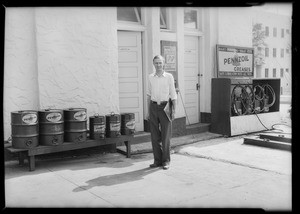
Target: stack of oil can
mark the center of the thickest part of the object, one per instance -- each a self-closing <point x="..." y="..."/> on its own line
<point x="52" y="127"/>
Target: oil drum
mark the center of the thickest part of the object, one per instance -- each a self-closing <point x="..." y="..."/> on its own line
<point x="75" y="125"/>
<point x="97" y="127"/>
<point x="127" y="123"/>
<point x="113" y="125"/>
<point x="25" y="129"/>
<point x="51" y="127"/>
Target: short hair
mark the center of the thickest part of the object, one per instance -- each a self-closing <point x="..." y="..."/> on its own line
<point x="159" y="57"/>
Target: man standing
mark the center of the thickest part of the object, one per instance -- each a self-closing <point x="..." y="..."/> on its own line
<point x="161" y="88"/>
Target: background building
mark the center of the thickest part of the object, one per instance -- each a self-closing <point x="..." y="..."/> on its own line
<point x="276" y="50"/>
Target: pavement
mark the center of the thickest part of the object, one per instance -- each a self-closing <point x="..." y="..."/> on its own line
<point x="206" y="171"/>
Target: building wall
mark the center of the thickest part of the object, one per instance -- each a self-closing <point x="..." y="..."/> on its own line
<point x="61" y="58"/>
<point x="21" y="90"/>
<point x="235" y="26"/>
<point x="68" y="57"/>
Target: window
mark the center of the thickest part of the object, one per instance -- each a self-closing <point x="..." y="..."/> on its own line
<point x="282" y="33"/>
<point x="190" y="18"/>
<point x="163" y="18"/>
<point x="129" y="14"/>
<point x="287" y="31"/>
<point x="282" y="53"/>
<point x="267" y="72"/>
<point x="266" y="52"/>
<point x="287" y="50"/>
<point x="274" y="52"/>
<point x="274" y="72"/>
<point x="267" y="31"/>
<point x="287" y="70"/>
<point x="281" y="72"/>
<point x="274" y="32"/>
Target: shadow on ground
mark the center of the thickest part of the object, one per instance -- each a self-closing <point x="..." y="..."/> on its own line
<point x="110" y="180"/>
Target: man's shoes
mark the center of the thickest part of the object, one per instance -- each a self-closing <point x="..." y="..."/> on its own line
<point x="166" y="166"/>
<point x="154" y="165"/>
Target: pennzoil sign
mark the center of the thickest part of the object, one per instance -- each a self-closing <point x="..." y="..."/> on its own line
<point x="233" y="61"/>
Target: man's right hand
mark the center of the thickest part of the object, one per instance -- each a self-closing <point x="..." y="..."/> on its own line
<point x="147" y="117"/>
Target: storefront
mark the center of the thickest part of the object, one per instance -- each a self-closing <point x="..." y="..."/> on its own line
<point x="99" y="58"/>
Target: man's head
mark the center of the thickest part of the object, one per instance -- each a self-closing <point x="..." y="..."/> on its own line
<point x="159" y="63"/>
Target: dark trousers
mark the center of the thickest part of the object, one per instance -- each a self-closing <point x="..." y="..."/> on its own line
<point x="161" y="132"/>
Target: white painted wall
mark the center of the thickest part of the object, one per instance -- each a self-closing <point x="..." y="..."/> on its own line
<point x="226" y="26"/>
<point x="20" y="91"/>
<point x="235" y="26"/>
<point x="76" y="63"/>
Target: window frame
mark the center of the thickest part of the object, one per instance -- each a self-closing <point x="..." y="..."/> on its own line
<point x="281" y="72"/>
<point x="282" y="53"/>
<point x="267" y="33"/>
<point x="267" y="51"/>
<point x="167" y="24"/>
<point x="266" y="72"/>
<point x="282" y="33"/>
<point x="274" y="72"/>
<point x="137" y="15"/>
<point x="274" y="52"/>
<point x="274" y="32"/>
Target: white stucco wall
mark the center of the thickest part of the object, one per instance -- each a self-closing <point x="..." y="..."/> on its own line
<point x="78" y="58"/>
<point x="20" y="91"/>
<point x="76" y="63"/>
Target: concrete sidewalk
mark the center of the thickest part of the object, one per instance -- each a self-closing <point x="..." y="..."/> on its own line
<point x="214" y="173"/>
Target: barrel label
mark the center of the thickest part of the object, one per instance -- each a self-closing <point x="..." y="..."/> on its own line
<point x="80" y="115"/>
<point x="130" y="124"/>
<point x="29" y="119"/>
<point x="99" y="128"/>
<point x="54" y="117"/>
<point x="115" y="126"/>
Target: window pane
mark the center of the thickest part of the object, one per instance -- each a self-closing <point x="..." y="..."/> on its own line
<point x="163" y="18"/>
<point x="274" y="72"/>
<point x="274" y="52"/>
<point x="275" y="32"/>
<point x="266" y="52"/>
<point x="128" y="14"/>
<point x="267" y="31"/>
<point x="266" y="72"/>
<point x="190" y="18"/>
<point x="281" y="72"/>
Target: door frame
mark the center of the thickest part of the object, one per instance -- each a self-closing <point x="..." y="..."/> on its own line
<point x="200" y="64"/>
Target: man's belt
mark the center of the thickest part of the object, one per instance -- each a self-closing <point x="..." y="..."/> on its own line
<point x="161" y="103"/>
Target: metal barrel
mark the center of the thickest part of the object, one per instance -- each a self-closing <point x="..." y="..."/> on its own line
<point x="97" y="127"/>
<point x="51" y="127"/>
<point x="127" y="123"/>
<point x="113" y="125"/>
<point x="24" y="129"/>
<point x="75" y="125"/>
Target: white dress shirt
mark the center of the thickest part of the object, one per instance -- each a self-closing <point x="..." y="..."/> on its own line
<point x="161" y="88"/>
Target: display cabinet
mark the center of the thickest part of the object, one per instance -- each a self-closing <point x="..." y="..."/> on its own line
<point x="241" y="106"/>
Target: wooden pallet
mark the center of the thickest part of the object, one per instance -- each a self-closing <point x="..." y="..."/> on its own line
<point x="67" y="146"/>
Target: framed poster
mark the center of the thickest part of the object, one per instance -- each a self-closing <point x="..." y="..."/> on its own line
<point x="234" y="61"/>
<point x="169" y="52"/>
